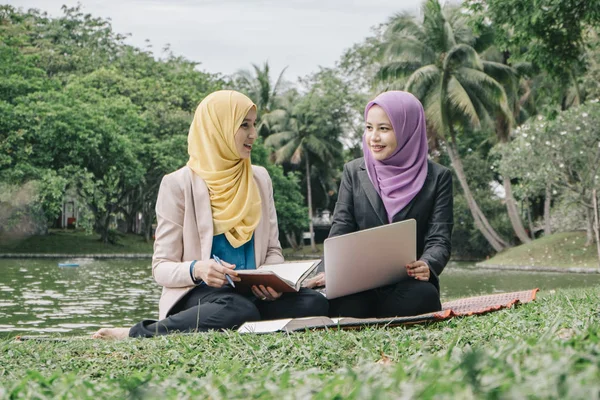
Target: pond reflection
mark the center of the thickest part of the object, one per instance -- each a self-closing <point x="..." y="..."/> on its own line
<point x="37" y="296"/>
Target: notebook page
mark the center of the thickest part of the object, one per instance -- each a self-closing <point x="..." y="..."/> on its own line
<point x="290" y="271"/>
<point x="264" y="326"/>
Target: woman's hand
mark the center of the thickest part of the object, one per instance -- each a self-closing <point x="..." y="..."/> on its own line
<point x="316" y="281"/>
<point x="265" y="293"/>
<point x="419" y="270"/>
<point x="213" y="274"/>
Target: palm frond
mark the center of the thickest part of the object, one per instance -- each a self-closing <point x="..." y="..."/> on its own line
<point x="459" y="100"/>
<point x="396" y="70"/>
<point x="408" y="48"/>
<point x="462" y="55"/>
<point x="433" y="113"/>
<point x="487" y="90"/>
<point x="506" y="76"/>
<point x="296" y="157"/>
<point x="278" y="83"/>
<point x="286" y="152"/>
<point x="317" y="147"/>
<point x="420" y="82"/>
<point x="434" y="25"/>
<point x="403" y="23"/>
<point x="277" y="140"/>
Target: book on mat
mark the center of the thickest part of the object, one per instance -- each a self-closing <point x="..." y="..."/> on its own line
<point x="300" y="324"/>
<point x="285" y="277"/>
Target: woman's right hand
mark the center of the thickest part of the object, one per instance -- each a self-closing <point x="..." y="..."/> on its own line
<point x="213" y="274"/>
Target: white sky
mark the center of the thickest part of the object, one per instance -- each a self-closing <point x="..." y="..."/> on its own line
<point x="228" y="35"/>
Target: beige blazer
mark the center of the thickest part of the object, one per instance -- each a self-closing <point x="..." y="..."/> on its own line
<point x="184" y="231"/>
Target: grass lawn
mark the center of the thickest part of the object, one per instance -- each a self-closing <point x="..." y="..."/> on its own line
<point x="546" y="349"/>
<point x="74" y="242"/>
<point x="565" y="249"/>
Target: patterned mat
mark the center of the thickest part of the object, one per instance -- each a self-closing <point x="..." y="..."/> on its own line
<point x="456" y="308"/>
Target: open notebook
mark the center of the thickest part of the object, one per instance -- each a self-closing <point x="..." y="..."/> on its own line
<point x="285" y="277"/>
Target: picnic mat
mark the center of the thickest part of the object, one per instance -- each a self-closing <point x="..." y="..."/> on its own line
<point x="456" y="308"/>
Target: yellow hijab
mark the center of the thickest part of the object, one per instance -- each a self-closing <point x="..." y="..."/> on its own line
<point x="234" y="196"/>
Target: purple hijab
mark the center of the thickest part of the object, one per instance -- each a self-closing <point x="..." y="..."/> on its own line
<point x="401" y="176"/>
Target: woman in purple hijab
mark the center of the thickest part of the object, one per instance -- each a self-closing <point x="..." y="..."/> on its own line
<point x="393" y="182"/>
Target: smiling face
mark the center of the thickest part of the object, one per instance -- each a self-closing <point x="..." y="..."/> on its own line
<point x="246" y="134"/>
<point x="379" y="134"/>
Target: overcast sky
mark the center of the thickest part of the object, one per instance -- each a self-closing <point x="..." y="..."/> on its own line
<point x="227" y="35"/>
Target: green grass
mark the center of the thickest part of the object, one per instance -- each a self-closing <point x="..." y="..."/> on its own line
<point x="74" y="242"/>
<point x="565" y="249"/>
<point x="546" y="349"/>
<point x="303" y="252"/>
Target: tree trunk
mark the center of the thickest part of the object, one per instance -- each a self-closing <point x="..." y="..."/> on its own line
<point x="480" y="220"/>
<point x="104" y="227"/>
<point x="513" y="213"/>
<point x="530" y="221"/>
<point x="547" y="203"/>
<point x="309" y="195"/>
<point x="589" y="238"/>
<point x="291" y="239"/>
<point x="596" y="223"/>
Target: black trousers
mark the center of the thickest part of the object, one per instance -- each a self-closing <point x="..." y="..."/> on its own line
<point x="405" y="298"/>
<point x="206" y="308"/>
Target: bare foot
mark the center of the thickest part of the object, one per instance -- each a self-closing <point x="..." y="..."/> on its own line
<point x="111" y="333"/>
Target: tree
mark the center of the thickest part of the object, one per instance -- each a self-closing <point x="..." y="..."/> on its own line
<point x="564" y="153"/>
<point x="291" y="215"/>
<point x="258" y="86"/>
<point x="307" y="130"/>
<point x="549" y="33"/>
<point x="438" y="63"/>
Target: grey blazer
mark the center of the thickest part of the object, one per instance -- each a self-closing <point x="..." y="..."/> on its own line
<point x="359" y="207"/>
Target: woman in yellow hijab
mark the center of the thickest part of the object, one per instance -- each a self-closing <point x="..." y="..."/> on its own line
<point x="220" y="205"/>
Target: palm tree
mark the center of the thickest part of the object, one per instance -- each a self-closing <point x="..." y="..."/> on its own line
<point x="437" y="62"/>
<point x="299" y="137"/>
<point x="257" y="84"/>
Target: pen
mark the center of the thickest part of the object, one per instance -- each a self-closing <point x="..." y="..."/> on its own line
<point x="218" y="260"/>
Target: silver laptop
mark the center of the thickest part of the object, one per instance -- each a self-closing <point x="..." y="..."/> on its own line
<point x="370" y="258"/>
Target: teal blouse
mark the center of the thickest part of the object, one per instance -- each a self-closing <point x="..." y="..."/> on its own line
<point x="242" y="257"/>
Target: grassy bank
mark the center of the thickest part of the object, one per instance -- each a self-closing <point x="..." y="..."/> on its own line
<point x="546" y="349"/>
<point x="565" y="249"/>
<point x="74" y="242"/>
<point x="78" y="242"/>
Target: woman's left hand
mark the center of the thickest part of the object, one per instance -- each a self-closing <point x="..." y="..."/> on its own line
<point x="419" y="270"/>
<point x="265" y="293"/>
<point x="316" y="281"/>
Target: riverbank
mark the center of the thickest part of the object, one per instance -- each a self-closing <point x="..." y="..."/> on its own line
<point x="546" y="349"/>
<point x="59" y="242"/>
<point x="564" y="252"/>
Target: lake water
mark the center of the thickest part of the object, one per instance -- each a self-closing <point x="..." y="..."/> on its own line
<point x="37" y="296"/>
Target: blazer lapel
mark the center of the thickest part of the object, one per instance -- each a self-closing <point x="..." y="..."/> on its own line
<point x="203" y="214"/>
<point x="372" y="195"/>
<point x="259" y="233"/>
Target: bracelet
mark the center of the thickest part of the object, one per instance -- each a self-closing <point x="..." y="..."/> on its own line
<point x="196" y="281"/>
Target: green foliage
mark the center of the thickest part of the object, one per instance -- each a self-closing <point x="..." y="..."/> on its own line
<point x="564" y="152"/>
<point x="81" y="109"/>
<point x="291" y="214"/>
<point x="550" y="33"/>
